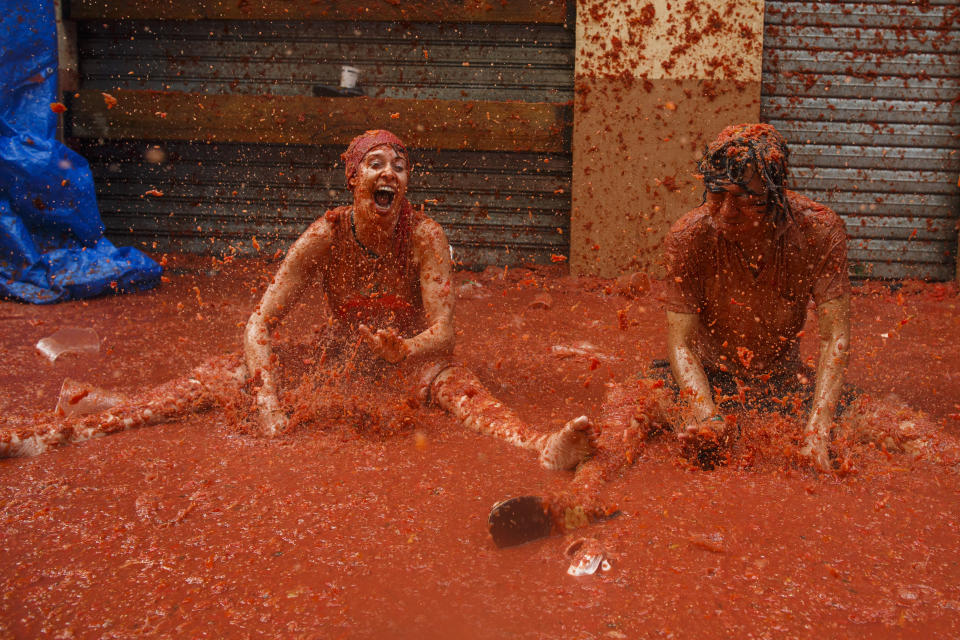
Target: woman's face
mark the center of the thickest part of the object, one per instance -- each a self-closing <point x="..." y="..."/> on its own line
<point x="380" y="183"/>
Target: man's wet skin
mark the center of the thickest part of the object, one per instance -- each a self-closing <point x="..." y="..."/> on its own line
<point x="752" y="227"/>
<point x="740" y="212"/>
<point x="742" y="269"/>
<point x="741" y="216"/>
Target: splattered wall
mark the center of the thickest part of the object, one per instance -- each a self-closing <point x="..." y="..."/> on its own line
<point x="655" y="81"/>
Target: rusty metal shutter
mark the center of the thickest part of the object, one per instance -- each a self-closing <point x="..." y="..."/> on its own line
<point x="867" y="95"/>
<point x="497" y="207"/>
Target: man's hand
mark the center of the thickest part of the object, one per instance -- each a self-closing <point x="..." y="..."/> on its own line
<point x="386" y="343"/>
<point x="694" y="429"/>
<point x="816" y="447"/>
<point x="272" y="419"/>
<point x="704" y="441"/>
<point x="711" y="430"/>
<point x="686" y="366"/>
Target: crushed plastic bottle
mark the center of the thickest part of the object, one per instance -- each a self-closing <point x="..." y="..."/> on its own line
<point x="586" y="556"/>
<point x="69" y="340"/>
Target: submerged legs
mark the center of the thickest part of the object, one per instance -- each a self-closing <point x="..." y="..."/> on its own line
<point x="631" y="413"/>
<point x="893" y="425"/>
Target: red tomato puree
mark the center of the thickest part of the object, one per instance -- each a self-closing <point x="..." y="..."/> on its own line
<point x="368" y="519"/>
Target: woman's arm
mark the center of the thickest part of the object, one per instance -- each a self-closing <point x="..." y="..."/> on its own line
<point x="432" y="252"/>
<point x="295" y="271"/>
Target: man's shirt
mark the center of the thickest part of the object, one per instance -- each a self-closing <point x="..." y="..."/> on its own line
<point x="749" y="320"/>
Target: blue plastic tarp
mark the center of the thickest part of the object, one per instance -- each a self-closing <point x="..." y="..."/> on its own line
<point x="52" y="246"/>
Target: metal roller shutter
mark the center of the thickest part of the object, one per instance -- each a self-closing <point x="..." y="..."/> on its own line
<point x="497" y="207"/>
<point x="867" y="95"/>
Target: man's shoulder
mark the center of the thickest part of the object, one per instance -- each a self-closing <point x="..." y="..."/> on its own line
<point x="812" y="215"/>
<point x="693" y="224"/>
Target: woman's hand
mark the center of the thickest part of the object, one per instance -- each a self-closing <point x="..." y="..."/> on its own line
<point x="385" y="343"/>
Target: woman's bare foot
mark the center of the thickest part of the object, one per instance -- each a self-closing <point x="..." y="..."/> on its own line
<point x="569" y="446"/>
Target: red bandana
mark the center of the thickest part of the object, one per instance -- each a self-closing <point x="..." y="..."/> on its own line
<point x="362" y="144"/>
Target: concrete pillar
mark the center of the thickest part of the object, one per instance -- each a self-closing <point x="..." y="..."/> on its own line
<point x="655" y="82"/>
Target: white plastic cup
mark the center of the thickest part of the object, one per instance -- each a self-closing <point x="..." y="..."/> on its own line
<point x="69" y="340"/>
<point x="349" y="77"/>
<point x="77" y="399"/>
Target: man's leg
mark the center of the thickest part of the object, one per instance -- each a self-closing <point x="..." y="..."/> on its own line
<point x="458" y="391"/>
<point x="892" y="424"/>
<point x="206" y="384"/>
<point x="632" y="412"/>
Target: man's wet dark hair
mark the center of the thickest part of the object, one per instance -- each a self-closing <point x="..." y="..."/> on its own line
<point x="737" y="147"/>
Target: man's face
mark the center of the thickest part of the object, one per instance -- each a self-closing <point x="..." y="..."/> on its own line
<point x="736" y="209"/>
<point x="380" y="183"/>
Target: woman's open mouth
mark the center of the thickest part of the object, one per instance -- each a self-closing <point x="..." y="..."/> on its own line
<point x="383" y="197"/>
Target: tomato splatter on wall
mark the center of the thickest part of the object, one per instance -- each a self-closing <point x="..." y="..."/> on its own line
<point x="655" y="81"/>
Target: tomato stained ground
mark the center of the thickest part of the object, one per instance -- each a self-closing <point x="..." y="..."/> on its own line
<point x="192" y="529"/>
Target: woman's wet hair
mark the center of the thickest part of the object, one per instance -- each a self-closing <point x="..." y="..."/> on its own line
<point x="739" y="147"/>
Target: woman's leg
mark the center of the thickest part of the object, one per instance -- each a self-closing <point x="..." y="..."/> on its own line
<point x="204" y="387"/>
<point x="458" y="391"/>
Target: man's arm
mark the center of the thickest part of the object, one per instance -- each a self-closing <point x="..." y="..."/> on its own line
<point x="834" y="320"/>
<point x="300" y="263"/>
<point x="687" y="368"/>
<point x="436" y="291"/>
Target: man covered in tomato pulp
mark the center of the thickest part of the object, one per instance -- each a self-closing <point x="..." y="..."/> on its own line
<point x="742" y="270"/>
